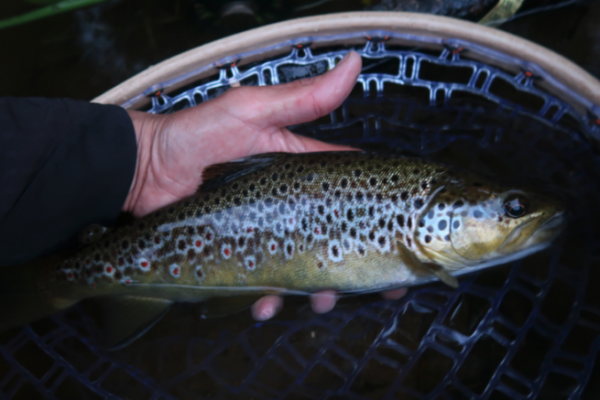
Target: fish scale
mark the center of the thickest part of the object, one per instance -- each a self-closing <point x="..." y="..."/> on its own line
<point x="300" y="211"/>
<point x="296" y="224"/>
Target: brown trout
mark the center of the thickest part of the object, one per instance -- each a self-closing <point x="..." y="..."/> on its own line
<point x="291" y="224"/>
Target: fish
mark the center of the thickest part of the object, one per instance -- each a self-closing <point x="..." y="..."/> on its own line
<point x="281" y="223"/>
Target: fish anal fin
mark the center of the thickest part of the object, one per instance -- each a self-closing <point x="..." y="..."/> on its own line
<point x="218" y="307"/>
<point x="126" y="318"/>
<point x="219" y="174"/>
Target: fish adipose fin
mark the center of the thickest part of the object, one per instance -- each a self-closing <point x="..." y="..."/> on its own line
<point x="411" y="261"/>
<point x="219" y="174"/>
<point x="127" y="318"/>
<point x="218" y="307"/>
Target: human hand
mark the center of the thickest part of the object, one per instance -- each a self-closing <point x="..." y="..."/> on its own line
<point x="174" y="149"/>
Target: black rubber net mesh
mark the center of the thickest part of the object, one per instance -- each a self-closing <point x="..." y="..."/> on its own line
<point x="529" y="329"/>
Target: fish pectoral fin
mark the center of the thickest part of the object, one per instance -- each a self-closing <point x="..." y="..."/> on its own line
<point x="411" y="261"/>
<point x="126" y="318"/>
<point x="443" y="275"/>
<point x="219" y="307"/>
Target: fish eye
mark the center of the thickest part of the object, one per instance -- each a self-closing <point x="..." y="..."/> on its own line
<point x="516" y="205"/>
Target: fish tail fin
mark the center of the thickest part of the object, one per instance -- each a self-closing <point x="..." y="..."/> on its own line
<point x="22" y="300"/>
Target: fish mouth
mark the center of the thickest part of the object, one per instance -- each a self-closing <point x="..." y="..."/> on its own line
<point x="542" y="237"/>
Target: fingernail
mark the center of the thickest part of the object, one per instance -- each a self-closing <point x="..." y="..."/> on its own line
<point x="347" y="56"/>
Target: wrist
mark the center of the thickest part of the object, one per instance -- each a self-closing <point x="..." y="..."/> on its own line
<point x="145" y="126"/>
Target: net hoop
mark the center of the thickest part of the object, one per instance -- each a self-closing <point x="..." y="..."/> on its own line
<point x="562" y="77"/>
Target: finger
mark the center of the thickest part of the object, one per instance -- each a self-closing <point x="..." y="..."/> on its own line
<point x="296" y="102"/>
<point x="394" y="294"/>
<point x="323" y="302"/>
<point x="266" y="307"/>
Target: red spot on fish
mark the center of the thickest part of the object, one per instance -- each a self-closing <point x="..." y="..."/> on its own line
<point x="249" y="230"/>
<point x="157" y="240"/>
<point x="176" y="271"/>
<point x="70" y="275"/>
<point x="337" y="213"/>
<point x="209" y="236"/>
<point x="227" y="252"/>
<point x="317" y="231"/>
<point x="121" y="262"/>
<point x="198" y="243"/>
<point x="128" y="281"/>
<point x="93" y="285"/>
<point x="144" y="264"/>
<point x="250" y="264"/>
<point x="88" y="261"/>
<point x="273" y="247"/>
<point x="109" y="269"/>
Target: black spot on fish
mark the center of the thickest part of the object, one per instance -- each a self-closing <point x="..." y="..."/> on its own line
<point x="329" y="218"/>
<point x="390" y="225"/>
<point x="300" y="169"/>
<point x="344" y="183"/>
<point x="404" y="196"/>
<point x="395" y="178"/>
<point x="371" y="211"/>
<point x="171" y="210"/>
<point x="424" y="185"/>
<point x="304" y="225"/>
<point x="353" y="233"/>
<point x="477" y="184"/>
<point x="283" y="188"/>
<point x="447" y="238"/>
<point x="418" y="203"/>
<point x="268" y="202"/>
<point x="381" y="223"/>
<point x="275" y="177"/>
<point x="309" y="177"/>
<point x="319" y="264"/>
<point x="181" y="245"/>
<point x="338" y="194"/>
<point x="287" y="166"/>
<point x="369" y="196"/>
<point x="237" y="201"/>
<point x="409" y="223"/>
<point x="434" y="181"/>
<point x="344" y="226"/>
<point x="371" y="236"/>
<point x="335" y="251"/>
<point x="323" y="163"/>
<point x="290" y="249"/>
<point x="430" y="229"/>
<point x="282" y="208"/>
<point x="394" y="198"/>
<point x="274" y="192"/>
<point x="321" y="209"/>
<point x="361" y="250"/>
<point x="328" y="202"/>
<point x="199" y="214"/>
<point x="416" y="171"/>
<point x="477" y="214"/>
<point x="400" y="220"/>
<point x="455" y="224"/>
<point x="118" y="274"/>
<point x="360" y="197"/>
<point x="441" y="206"/>
<point x="241" y="241"/>
<point x="421" y="223"/>
<point x="427" y="239"/>
<point x="379" y="197"/>
<point x="442" y="225"/>
<point x="309" y="238"/>
<point x="458" y="204"/>
<point x="252" y="187"/>
<point x="373" y="181"/>
<point x="263" y="181"/>
<point x="357" y="173"/>
<point x="325" y="186"/>
<point x="296" y="185"/>
<point x="191" y="254"/>
<point x="381" y="241"/>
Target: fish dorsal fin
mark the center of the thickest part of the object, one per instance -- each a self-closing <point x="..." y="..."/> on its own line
<point x="218" y="307"/>
<point x="219" y="174"/>
<point x="126" y="318"/>
<point x="411" y="261"/>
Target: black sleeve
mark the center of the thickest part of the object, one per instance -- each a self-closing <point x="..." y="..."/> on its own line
<point x="64" y="164"/>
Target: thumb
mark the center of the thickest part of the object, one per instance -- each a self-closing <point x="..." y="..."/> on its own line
<point x="299" y="101"/>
